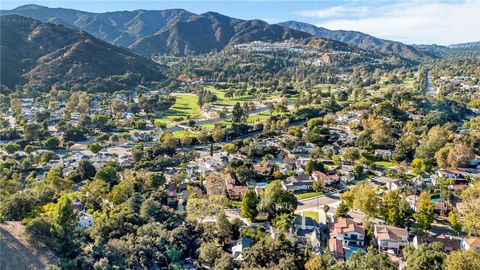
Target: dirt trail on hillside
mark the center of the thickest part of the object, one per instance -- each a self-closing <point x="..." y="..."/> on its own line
<point x="16" y="253"/>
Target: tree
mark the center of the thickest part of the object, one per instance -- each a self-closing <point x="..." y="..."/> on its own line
<point x="471" y="212"/>
<point x="224" y="227"/>
<point x="11" y="147"/>
<point x="314" y="165"/>
<point x="358" y="171"/>
<point x="200" y="208"/>
<point x="326" y="208"/>
<point x="155" y="180"/>
<point x="249" y="205"/>
<point x="426" y="256"/>
<point x="420" y="166"/>
<point x="425" y="212"/>
<point x="209" y="253"/>
<point x="95" y="147"/>
<point x="372" y="259"/>
<point x="459" y="155"/>
<point x="108" y="174"/>
<point x="316" y="262"/>
<point x="282" y="222"/>
<point x="51" y="143"/>
<point x="218" y="134"/>
<point x="362" y="197"/>
<point x="462" y="260"/>
<point x="351" y="154"/>
<point x="86" y="169"/>
<point x="454" y="221"/>
<point x="238" y="114"/>
<point x="65" y="220"/>
<point x="394" y="209"/>
<point x="342" y="210"/>
<point x="275" y="200"/>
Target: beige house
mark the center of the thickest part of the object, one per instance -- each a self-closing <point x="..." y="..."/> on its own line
<point x="390" y="237"/>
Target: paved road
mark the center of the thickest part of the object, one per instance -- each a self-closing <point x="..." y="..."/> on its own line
<point x="429" y="91"/>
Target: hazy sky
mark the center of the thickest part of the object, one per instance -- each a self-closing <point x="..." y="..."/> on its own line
<point x="409" y="21"/>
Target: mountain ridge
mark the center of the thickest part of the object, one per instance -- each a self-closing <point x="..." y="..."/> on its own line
<point x="359" y="39"/>
<point x="211" y="31"/>
<point x="46" y="54"/>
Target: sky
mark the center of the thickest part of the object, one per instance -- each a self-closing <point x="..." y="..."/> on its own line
<point x="441" y="22"/>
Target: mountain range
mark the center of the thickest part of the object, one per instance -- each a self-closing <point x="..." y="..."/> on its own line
<point x="211" y="31"/>
<point x="179" y="32"/>
<point x="46" y="46"/>
<point x="465" y="45"/>
<point x="45" y="54"/>
<point x="359" y="39"/>
<point x="121" y="28"/>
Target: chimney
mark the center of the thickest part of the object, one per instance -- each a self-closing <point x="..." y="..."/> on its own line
<point x="303" y="221"/>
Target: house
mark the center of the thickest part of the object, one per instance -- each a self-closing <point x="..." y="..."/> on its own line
<point x="326" y="179"/>
<point x="390" y="237"/>
<point x="264" y="169"/>
<point x="397" y="184"/>
<point x="344" y="233"/>
<point x="171" y="190"/>
<point x="346" y="175"/>
<point x="383" y="154"/>
<point x="284" y="168"/>
<point x="307" y="231"/>
<point x="347" y="230"/>
<point x="449" y="244"/>
<point x="298" y="182"/>
<point x="447" y="174"/>
<point x="234" y="189"/>
<point x="381" y="181"/>
<point x="242" y="244"/>
<point x="301" y="163"/>
<point x="85" y="220"/>
<point x="470" y="243"/>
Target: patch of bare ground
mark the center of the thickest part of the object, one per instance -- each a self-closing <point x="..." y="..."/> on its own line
<point x="17" y="252"/>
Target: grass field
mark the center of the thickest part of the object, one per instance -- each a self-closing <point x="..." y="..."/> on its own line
<point x="308" y="194"/>
<point x="259" y="117"/>
<point x="385" y="164"/>
<point x="185" y="105"/>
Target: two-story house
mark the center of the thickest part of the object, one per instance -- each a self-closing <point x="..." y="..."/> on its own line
<point x="344" y="232"/>
<point x="390" y="237"/>
<point x="307" y="231"/>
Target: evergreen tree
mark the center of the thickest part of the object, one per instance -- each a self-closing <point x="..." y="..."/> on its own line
<point x="249" y="205"/>
<point x="425" y="212"/>
<point x="65" y="221"/>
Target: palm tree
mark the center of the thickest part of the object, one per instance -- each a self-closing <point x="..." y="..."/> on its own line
<point x="325" y="209"/>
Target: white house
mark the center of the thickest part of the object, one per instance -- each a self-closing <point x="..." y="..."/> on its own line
<point x="85" y="220"/>
<point x="383" y="154"/>
<point x="242" y="244"/>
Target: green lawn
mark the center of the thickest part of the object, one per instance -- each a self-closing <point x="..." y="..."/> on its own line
<point x="311" y="214"/>
<point x="385" y="164"/>
<point x="185" y="105"/>
<point x="258" y="117"/>
<point x="183" y="133"/>
<point x="308" y="194"/>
